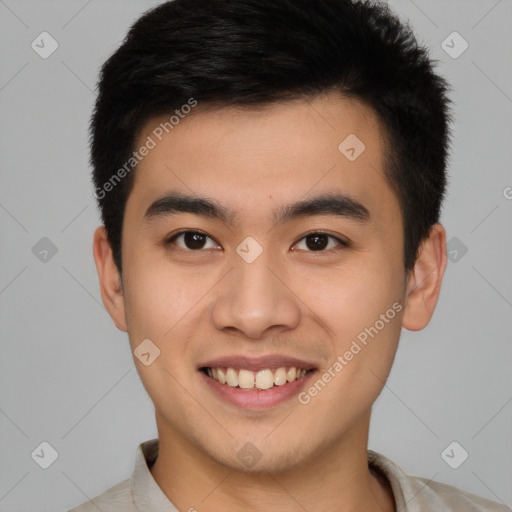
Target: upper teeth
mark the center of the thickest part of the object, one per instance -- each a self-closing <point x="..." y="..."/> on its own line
<point x="262" y="379"/>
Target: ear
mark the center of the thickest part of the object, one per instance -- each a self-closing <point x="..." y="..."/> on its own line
<point x="109" y="278"/>
<point x="424" y="281"/>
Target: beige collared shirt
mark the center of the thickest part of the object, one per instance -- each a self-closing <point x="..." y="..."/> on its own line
<point x="140" y="492"/>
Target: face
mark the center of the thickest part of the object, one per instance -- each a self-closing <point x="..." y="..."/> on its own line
<point x="291" y="279"/>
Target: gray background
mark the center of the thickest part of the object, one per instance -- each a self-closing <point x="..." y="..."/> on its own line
<point x="66" y="374"/>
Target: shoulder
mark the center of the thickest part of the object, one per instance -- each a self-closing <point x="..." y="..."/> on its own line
<point x="115" y="499"/>
<point x="446" y="497"/>
<point x="414" y="493"/>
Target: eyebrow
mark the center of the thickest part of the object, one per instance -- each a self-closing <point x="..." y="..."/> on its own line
<point x="333" y="204"/>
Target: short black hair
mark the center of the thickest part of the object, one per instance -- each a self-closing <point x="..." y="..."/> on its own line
<point x="253" y="53"/>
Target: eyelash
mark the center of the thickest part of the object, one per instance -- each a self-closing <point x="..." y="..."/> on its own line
<point x="342" y="243"/>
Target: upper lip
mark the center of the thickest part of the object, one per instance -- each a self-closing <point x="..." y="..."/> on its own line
<point x="273" y="361"/>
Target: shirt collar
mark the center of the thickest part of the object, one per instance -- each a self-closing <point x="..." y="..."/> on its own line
<point x="148" y="497"/>
<point x="146" y="494"/>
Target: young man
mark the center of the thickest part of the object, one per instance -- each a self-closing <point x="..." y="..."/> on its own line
<point x="270" y="176"/>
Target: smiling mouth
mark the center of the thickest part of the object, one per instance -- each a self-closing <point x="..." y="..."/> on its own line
<point x="262" y="379"/>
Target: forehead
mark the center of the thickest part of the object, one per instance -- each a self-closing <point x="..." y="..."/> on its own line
<point x="252" y="159"/>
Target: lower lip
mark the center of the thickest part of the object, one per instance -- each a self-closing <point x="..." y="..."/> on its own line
<point x="257" y="398"/>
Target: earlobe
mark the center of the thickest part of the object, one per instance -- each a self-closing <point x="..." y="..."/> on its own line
<point x="109" y="278"/>
<point x="424" y="283"/>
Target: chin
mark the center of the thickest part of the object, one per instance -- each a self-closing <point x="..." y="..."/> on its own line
<point x="262" y="457"/>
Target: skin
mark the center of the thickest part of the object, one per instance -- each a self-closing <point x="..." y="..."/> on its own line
<point x="200" y="305"/>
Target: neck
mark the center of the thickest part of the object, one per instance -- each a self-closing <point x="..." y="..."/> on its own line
<point x="336" y="478"/>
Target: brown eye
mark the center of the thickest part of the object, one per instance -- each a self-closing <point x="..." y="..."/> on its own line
<point x="318" y="242"/>
<point x="191" y="240"/>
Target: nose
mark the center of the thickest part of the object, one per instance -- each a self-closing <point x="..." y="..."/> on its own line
<point x="255" y="299"/>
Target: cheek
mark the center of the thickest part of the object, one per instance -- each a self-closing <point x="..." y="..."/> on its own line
<point x="162" y="303"/>
<point x="156" y="308"/>
<point x="373" y="315"/>
<point x="363" y="354"/>
<point x="363" y="310"/>
<point x="350" y="300"/>
<point x="156" y="295"/>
